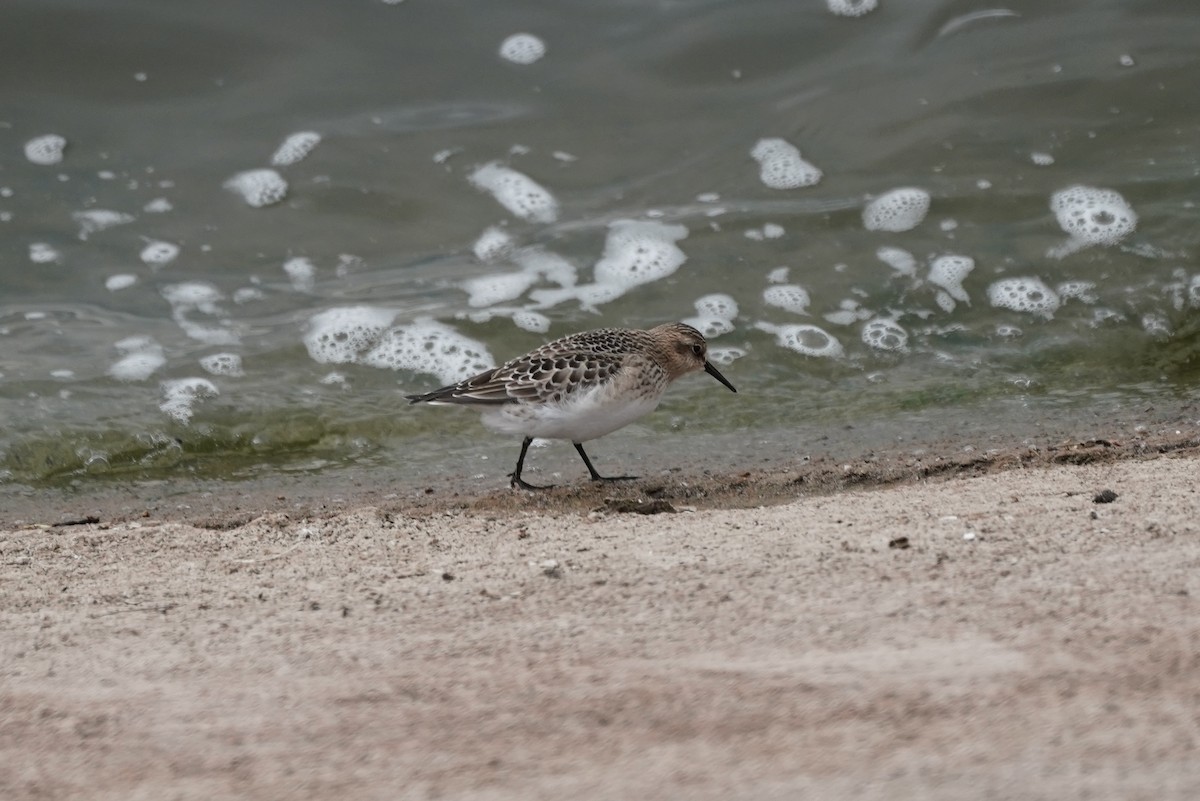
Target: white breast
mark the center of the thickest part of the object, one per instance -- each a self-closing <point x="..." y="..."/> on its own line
<point x="582" y="418"/>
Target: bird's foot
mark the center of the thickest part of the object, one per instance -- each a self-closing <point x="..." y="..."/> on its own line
<point x="599" y="477"/>
<point x="520" y="483"/>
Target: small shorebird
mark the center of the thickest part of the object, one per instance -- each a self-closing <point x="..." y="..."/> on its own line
<point x="581" y="387"/>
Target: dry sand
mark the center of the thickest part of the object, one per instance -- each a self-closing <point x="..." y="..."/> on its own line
<point x="997" y="636"/>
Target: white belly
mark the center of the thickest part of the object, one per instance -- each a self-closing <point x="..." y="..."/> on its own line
<point x="590" y="416"/>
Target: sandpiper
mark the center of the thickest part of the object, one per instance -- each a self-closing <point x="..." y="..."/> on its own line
<point x="581" y="386"/>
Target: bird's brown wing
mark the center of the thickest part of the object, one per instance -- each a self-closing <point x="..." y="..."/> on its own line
<point x="539" y="376"/>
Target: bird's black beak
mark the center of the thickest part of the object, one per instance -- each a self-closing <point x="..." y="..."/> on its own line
<point x="715" y="373"/>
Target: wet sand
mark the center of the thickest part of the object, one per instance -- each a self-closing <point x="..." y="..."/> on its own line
<point x="956" y="625"/>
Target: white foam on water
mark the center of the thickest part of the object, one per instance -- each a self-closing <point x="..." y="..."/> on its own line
<point x="949" y="271"/>
<point x="1193" y="291"/>
<point x="718" y="305"/>
<point x="488" y="290"/>
<point x="1041" y="159"/>
<point x="43" y="253"/>
<point x="1156" y="325"/>
<point x="709" y="327"/>
<point x="898" y="259"/>
<point x="528" y="320"/>
<point x="1091" y="216"/>
<point x="780" y="165"/>
<point x="95" y="220"/>
<point x="181" y="395"/>
<point x="778" y="276"/>
<point x="897" y="210"/>
<point x="882" y="333"/>
<point x="944" y="301"/>
<point x="229" y="364"/>
<point x="334" y="379"/>
<point x="517" y="192"/>
<point x="806" y="339"/>
<point x="427" y="346"/>
<point x="522" y="48"/>
<point x="983" y="183"/>
<point x="247" y="294"/>
<point x="493" y="244"/>
<point x="45" y="150"/>
<point x="140" y="357"/>
<point x="1009" y="331"/>
<point x="852" y="8"/>
<point x="62" y="373"/>
<point x="158" y="254"/>
<point x="639" y="252"/>
<point x="1082" y="291"/>
<point x="1126" y="60"/>
<point x="295" y="148"/>
<point x="546" y="264"/>
<point x="115" y="283"/>
<point x="563" y="156"/>
<point x="725" y="356"/>
<point x="1028" y="295"/>
<point x="789" y="297"/>
<point x="158" y="206"/>
<point x="344" y="334"/>
<point x="258" y="188"/>
<point x="196" y="297"/>
<point x="302" y="273"/>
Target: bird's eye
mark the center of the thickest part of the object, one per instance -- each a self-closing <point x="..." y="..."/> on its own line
<point x="698" y="349"/>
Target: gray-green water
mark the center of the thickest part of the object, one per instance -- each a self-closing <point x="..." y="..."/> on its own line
<point x="637" y="111"/>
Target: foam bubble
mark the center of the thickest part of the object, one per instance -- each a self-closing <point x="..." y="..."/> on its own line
<point x="427" y="346"/>
<point x="1156" y="325"/>
<point x="229" y="364"/>
<point x="246" y="294"/>
<point x="852" y="8"/>
<point x="115" y="283"/>
<point x="1193" y="291"/>
<point x="195" y="297"/>
<point x="638" y="252"/>
<point x="491" y="289"/>
<point x="528" y="320"/>
<point x="1041" y="159"/>
<point x="949" y="272"/>
<point x="494" y="243"/>
<point x="789" y="297"/>
<point x="778" y="276"/>
<point x="159" y="254"/>
<point x="781" y="166"/>
<point x="547" y="264"/>
<point x="709" y="327"/>
<point x="518" y="193"/>
<point x="301" y="272"/>
<point x="1091" y="216"/>
<point x="897" y="210"/>
<point x="45" y="150"/>
<point x="141" y="356"/>
<point x="1009" y="331"/>
<point x="1083" y="291"/>
<point x="95" y="220"/>
<point x="885" y="334"/>
<point x="725" y="356"/>
<point x="804" y="338"/>
<point x="180" y="396"/>
<point x="898" y="259"/>
<point x="158" y="206"/>
<point x="342" y="335"/>
<point x="522" y="48"/>
<point x="718" y="305"/>
<point x="1028" y="295"/>
<point x="42" y="253"/>
<point x="295" y="148"/>
<point x="258" y="187"/>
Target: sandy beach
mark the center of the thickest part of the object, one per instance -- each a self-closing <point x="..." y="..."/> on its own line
<point x="1004" y="628"/>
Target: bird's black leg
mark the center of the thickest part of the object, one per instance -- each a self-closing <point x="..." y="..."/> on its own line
<point x="596" y="476"/>
<point x="517" y="481"/>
